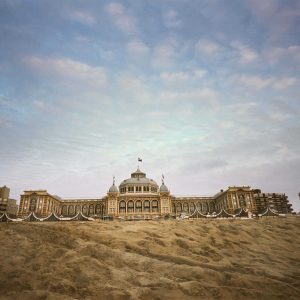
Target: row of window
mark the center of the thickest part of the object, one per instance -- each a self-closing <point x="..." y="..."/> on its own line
<point x="191" y="207"/>
<point x="138" y="206"/>
<point x="85" y="209"/>
<point x="138" y="189"/>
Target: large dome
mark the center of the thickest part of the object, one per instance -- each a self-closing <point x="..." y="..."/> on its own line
<point x="138" y="183"/>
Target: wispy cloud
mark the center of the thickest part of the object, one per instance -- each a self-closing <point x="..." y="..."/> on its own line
<point x="245" y="53"/>
<point x="201" y="96"/>
<point x="82" y="17"/>
<point x="279" y="54"/>
<point x="174" y="77"/>
<point x="171" y="19"/>
<point x="257" y="82"/>
<point x="206" y="47"/>
<point x="122" y="18"/>
<point x="279" y="18"/>
<point x="165" y="53"/>
<point x="68" y="69"/>
<point x="137" y="48"/>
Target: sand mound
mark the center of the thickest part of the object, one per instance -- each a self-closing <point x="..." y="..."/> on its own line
<point x="199" y="259"/>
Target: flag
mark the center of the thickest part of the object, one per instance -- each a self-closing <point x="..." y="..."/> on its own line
<point x="139" y="159"/>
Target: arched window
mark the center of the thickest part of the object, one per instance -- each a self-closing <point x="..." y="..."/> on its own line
<point x="71" y="210"/>
<point x="138" y="206"/>
<point x="185" y="207"/>
<point x="146" y="206"/>
<point x="248" y="200"/>
<point x="178" y="207"/>
<point x="174" y="208"/>
<point x="98" y="209"/>
<point x="122" y="206"/>
<point x="85" y="209"/>
<point x="205" y="208"/>
<point x="91" y="210"/>
<point x="32" y="205"/>
<point x="192" y="207"/>
<point x="64" y="210"/>
<point x="199" y="206"/>
<point x="130" y="206"/>
<point x="77" y="209"/>
<point x="212" y="207"/>
<point x="154" y="206"/>
<point x="242" y="201"/>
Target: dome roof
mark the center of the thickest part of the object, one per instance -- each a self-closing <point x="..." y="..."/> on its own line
<point x="138" y="177"/>
<point x="138" y="174"/>
<point x="113" y="189"/>
<point x="163" y="188"/>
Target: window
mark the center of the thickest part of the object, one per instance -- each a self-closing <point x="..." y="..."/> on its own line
<point x="138" y="188"/>
<point x="242" y="201"/>
<point x="32" y="205"/>
<point x="138" y="206"/>
<point x="91" y="210"/>
<point x="146" y="206"/>
<point x="146" y="188"/>
<point x="122" y="207"/>
<point x="85" y="209"/>
<point x="77" y="209"/>
<point x="71" y="210"/>
<point x="205" y="208"/>
<point x="98" y="209"/>
<point x="178" y="207"/>
<point x="199" y="206"/>
<point x="130" y="206"/>
<point x="130" y="189"/>
<point x="185" y="207"/>
<point x="154" y="206"/>
<point x="192" y="207"/>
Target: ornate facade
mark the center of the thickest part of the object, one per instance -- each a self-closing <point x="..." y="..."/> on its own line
<point x="141" y="197"/>
<point x="7" y="205"/>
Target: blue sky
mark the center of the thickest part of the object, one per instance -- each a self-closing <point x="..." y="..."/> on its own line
<point x="206" y="92"/>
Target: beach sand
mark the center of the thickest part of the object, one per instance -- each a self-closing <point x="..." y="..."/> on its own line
<point x="190" y="259"/>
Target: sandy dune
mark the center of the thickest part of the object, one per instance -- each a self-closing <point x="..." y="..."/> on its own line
<point x="200" y="259"/>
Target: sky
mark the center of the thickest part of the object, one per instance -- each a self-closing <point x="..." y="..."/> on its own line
<point x="205" y="92"/>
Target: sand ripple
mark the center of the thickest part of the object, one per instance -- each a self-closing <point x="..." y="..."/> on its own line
<point x="199" y="259"/>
